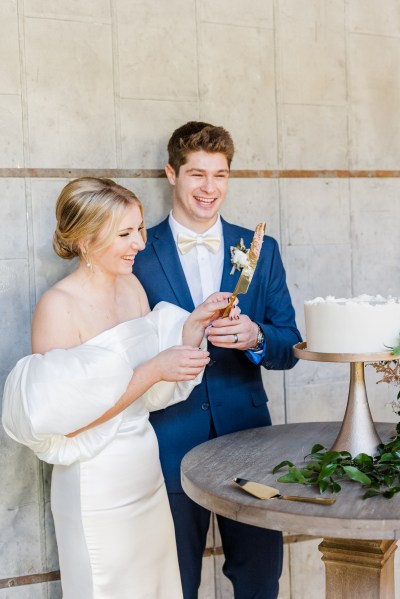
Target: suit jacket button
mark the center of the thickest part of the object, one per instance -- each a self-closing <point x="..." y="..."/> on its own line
<point x="211" y="362"/>
<point x="205" y="405"/>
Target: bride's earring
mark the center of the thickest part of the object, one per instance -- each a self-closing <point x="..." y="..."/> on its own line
<point x="85" y="257"/>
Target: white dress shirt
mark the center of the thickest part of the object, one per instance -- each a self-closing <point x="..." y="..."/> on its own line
<point x="202" y="268"/>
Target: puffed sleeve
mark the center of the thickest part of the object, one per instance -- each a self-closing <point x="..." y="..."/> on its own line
<point x="168" y="321"/>
<point x="48" y="396"/>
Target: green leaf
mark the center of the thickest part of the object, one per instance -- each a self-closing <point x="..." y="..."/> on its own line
<point x="289" y="477"/>
<point x="332" y="456"/>
<point x="363" y="460"/>
<point x="281" y="465"/>
<point x="327" y="470"/>
<point x="323" y="485"/>
<point x="370" y="493"/>
<point x="389" y="479"/>
<point x="317" y="448"/>
<point x="307" y="473"/>
<point x="394" y="446"/>
<point x="375" y="485"/>
<point x="356" y="474"/>
<point x="298" y="474"/>
<point x="388" y="494"/>
<point x="317" y="457"/>
<point x="346" y="454"/>
<point x="315" y="466"/>
<point x="396" y="350"/>
<point x="389" y="457"/>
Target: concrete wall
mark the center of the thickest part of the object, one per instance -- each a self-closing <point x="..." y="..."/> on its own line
<point x="311" y="85"/>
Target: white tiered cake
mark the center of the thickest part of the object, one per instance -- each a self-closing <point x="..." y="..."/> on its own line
<point x="363" y="324"/>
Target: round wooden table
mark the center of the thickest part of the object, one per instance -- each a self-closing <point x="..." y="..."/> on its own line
<point x="359" y="535"/>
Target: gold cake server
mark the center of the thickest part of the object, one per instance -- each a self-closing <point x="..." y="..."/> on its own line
<point x="264" y="492"/>
<point x="248" y="271"/>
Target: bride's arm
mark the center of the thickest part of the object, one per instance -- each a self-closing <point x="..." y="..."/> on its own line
<point x="179" y="363"/>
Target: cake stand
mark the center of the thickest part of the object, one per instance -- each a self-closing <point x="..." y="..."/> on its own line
<point x="357" y="433"/>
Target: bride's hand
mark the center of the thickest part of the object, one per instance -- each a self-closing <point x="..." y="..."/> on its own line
<point x="180" y="363"/>
<point x="221" y="296"/>
<point x="205" y="314"/>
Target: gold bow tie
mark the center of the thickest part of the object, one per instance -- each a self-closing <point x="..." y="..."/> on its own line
<point x="186" y="242"/>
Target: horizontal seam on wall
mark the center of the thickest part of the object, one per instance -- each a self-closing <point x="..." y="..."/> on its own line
<point x="67" y="173"/>
<point x="16" y="581"/>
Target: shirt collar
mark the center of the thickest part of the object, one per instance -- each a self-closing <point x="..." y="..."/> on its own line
<point x="177" y="228"/>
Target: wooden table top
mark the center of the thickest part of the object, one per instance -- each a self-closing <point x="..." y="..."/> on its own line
<point x="207" y="472"/>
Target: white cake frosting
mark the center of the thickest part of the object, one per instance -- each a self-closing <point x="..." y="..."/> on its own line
<point x="363" y="324"/>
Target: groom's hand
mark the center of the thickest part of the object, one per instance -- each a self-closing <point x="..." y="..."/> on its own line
<point x="237" y="333"/>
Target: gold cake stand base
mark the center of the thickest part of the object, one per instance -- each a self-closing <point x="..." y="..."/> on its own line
<point x="357" y="433"/>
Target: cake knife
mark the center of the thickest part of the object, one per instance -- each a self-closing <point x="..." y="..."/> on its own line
<point x="264" y="492"/>
<point x="248" y="271"/>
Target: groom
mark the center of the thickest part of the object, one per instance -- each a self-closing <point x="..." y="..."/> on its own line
<point x="188" y="257"/>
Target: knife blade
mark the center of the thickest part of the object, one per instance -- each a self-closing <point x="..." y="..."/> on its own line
<point x="265" y="492"/>
<point x="248" y="271"/>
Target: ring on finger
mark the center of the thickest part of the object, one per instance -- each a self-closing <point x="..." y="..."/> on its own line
<point x="235" y="338"/>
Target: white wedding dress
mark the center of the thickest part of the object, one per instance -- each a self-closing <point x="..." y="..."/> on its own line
<point x="113" y="524"/>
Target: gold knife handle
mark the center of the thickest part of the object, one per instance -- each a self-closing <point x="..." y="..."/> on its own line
<point x="308" y="499"/>
<point x="226" y="311"/>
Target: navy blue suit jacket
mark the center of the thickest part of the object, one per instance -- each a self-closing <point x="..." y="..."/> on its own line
<point x="232" y="392"/>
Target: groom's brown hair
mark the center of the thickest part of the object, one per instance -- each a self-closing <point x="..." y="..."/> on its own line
<point x="195" y="136"/>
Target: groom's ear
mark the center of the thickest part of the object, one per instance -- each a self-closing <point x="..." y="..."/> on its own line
<point x="170" y="172"/>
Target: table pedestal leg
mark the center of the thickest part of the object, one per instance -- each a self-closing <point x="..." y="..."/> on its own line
<point x="357" y="433"/>
<point x="358" y="569"/>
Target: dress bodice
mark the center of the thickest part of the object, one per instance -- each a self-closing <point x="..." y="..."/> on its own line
<point x="48" y="396"/>
<point x="134" y="341"/>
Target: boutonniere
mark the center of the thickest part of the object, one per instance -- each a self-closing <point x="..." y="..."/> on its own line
<point x="239" y="257"/>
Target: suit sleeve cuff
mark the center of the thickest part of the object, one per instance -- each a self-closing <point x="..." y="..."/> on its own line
<point x="256" y="357"/>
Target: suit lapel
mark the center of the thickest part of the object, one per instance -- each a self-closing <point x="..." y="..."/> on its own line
<point x="167" y="253"/>
<point x="228" y="281"/>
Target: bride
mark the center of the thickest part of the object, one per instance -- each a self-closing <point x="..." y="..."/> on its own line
<point x="101" y="360"/>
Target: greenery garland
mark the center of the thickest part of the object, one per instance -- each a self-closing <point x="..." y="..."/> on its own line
<point x="378" y="475"/>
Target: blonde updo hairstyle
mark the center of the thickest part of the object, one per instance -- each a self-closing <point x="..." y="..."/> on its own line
<point x="84" y="207"/>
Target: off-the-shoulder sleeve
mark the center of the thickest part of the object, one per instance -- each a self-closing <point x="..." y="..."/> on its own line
<point x="168" y="321"/>
<point x="48" y="396"/>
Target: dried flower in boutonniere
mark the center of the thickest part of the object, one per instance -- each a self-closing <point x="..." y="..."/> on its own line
<point x="239" y="256"/>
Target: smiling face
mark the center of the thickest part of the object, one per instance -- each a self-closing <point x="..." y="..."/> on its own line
<point x="118" y="257"/>
<point x="199" y="189"/>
